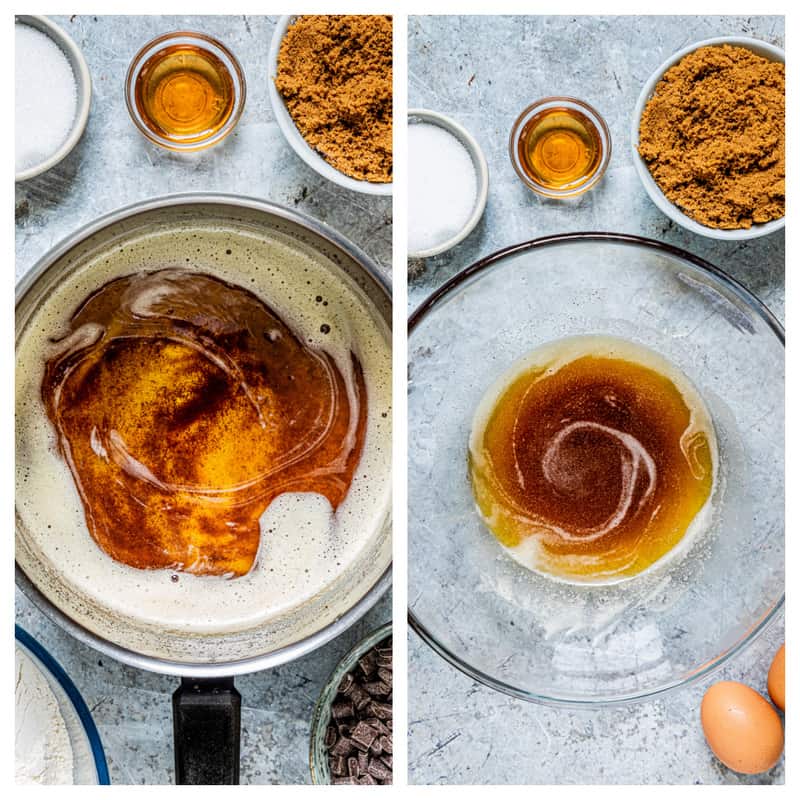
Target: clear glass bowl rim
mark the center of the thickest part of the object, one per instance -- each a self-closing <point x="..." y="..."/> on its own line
<point x="485" y="264"/>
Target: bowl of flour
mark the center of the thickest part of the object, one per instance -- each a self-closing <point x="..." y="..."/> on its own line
<point x="56" y="741"/>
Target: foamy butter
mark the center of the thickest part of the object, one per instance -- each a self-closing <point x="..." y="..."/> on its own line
<point x="304" y="545"/>
<point x="552" y="357"/>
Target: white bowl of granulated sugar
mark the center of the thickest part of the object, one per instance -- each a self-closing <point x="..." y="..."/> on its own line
<point x="448" y="183"/>
<point x="53" y="92"/>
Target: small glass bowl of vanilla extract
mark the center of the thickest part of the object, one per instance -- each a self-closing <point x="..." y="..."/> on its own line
<point x="560" y="147"/>
<point x="185" y="91"/>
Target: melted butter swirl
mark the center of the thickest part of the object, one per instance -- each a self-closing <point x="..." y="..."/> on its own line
<point x="588" y="465"/>
<point x="183" y="406"/>
<point x="559" y="469"/>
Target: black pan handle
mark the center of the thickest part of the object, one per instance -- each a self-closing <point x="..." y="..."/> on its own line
<point x="206" y="717"/>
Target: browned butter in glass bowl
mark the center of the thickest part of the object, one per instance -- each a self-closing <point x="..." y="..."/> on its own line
<point x="592" y="460"/>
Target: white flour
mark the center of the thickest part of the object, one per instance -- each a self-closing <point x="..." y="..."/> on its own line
<point x="42" y="749"/>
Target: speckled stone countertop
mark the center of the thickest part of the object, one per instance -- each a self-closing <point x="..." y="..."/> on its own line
<point x="483" y="71"/>
<point x="111" y="167"/>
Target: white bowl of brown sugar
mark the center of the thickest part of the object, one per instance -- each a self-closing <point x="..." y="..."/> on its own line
<point x="708" y="138"/>
<point x="330" y="87"/>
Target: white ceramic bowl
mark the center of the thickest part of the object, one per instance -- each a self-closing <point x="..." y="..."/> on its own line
<point x="83" y="82"/>
<point x="651" y="187"/>
<point x="416" y="115"/>
<point x="295" y="138"/>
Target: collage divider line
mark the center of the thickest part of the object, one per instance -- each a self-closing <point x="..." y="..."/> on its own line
<point x="399" y="416"/>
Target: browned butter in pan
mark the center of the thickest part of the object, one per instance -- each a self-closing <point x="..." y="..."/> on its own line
<point x="183" y="406"/>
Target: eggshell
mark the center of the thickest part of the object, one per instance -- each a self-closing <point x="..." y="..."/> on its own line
<point x="776" y="680"/>
<point x="741" y="727"/>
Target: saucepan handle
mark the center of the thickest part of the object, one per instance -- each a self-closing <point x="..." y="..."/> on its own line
<point x="206" y="715"/>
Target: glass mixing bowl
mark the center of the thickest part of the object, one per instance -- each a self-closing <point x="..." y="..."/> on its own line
<point x="526" y="634"/>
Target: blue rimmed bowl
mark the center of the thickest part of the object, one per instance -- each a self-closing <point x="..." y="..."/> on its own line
<point x="89" y="759"/>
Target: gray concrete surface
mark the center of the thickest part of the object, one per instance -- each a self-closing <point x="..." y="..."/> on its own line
<point x="111" y="167"/>
<point x="483" y="71"/>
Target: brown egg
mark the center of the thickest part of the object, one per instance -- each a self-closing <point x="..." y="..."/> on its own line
<point x="741" y="727"/>
<point x="776" y="680"/>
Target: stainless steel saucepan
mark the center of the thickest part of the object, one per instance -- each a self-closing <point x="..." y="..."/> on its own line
<point x="206" y="706"/>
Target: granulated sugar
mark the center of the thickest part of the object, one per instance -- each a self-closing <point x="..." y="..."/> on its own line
<point x="46" y="97"/>
<point x="442" y="187"/>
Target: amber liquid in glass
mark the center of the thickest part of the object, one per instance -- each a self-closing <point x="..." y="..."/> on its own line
<point x="559" y="148"/>
<point x="592" y="466"/>
<point x="184" y="93"/>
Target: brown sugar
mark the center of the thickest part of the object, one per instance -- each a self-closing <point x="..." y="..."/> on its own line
<point x="335" y="76"/>
<point x="713" y="137"/>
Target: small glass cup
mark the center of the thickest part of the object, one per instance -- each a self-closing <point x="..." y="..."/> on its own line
<point x="203" y="43"/>
<point x="567" y="104"/>
<point x="318" y="753"/>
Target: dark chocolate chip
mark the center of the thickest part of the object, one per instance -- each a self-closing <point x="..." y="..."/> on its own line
<point x="344" y="730"/>
<point x="342" y="748"/>
<point x="363" y="734"/>
<point x="379" y="726"/>
<point x="380" y="710"/>
<point x="386" y="744"/>
<point x="352" y="767"/>
<point x="360" y="697"/>
<point x="377" y="689"/>
<point x="379" y="770"/>
<point x="342" y="710"/>
<point x="345" y="781"/>
<point x="387" y="759"/>
<point x="385" y="675"/>
<point x="330" y="737"/>
<point x="347" y="684"/>
<point x="337" y="765"/>
<point x="367" y="664"/>
<point x="367" y="780"/>
<point x="375" y="748"/>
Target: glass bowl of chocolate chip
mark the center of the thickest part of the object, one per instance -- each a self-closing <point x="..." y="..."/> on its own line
<point x="351" y="732"/>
